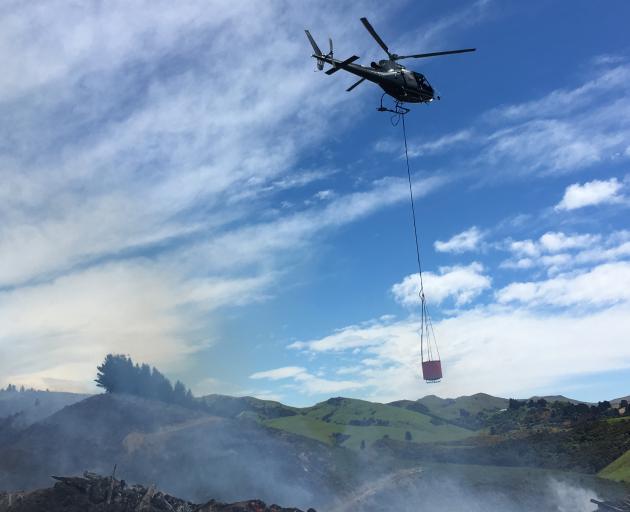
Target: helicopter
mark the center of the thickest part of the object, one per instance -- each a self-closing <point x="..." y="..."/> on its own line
<point x="402" y="84"/>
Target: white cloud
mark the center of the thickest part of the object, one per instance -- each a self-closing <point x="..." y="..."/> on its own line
<point x="121" y="138"/>
<point x="285" y="372"/>
<point x="620" y="251"/>
<point x="590" y="193"/>
<point x="605" y="284"/>
<point x="60" y="330"/>
<point x="323" y="195"/>
<point x="556" y="241"/>
<point x="548" y="146"/>
<point x="525" y="248"/>
<point x="565" y="130"/>
<point x="557" y="251"/>
<point x="567" y="100"/>
<point x="347" y="338"/>
<point x="468" y="240"/>
<point x="446" y="142"/>
<point x="307" y="383"/>
<point x="502" y="351"/>
<point x="516" y="346"/>
<point x="462" y="283"/>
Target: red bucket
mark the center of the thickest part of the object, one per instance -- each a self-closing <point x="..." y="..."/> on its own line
<point x="432" y="370"/>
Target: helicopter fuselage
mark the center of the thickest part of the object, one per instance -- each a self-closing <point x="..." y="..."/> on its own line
<point x="399" y="82"/>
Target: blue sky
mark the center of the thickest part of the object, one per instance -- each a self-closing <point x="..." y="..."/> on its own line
<point x="180" y="186"/>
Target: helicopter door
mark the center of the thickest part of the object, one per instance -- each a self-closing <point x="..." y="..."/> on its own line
<point x="410" y="80"/>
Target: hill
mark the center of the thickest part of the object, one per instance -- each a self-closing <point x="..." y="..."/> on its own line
<point x="30" y="406"/>
<point x="587" y="447"/>
<point x="450" y="408"/>
<point x="246" y="406"/>
<point x="341" y="454"/>
<point x="354" y="424"/>
<point x="189" y="453"/>
<point x="619" y="470"/>
<point x="558" y="398"/>
<point x="464" y="411"/>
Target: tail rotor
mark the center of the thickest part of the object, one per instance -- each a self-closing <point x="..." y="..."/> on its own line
<point x="317" y="53"/>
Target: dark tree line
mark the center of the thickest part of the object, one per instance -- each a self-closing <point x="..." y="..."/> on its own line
<point x="119" y="374"/>
<point x="12" y="388"/>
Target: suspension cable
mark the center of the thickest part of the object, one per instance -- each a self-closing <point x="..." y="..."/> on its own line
<point x="413" y="212"/>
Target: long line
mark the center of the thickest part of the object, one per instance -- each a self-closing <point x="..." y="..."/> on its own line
<point x="413" y="211"/>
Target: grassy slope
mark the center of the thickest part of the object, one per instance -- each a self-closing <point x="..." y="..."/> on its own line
<point x="619" y="470"/>
<point x="334" y="416"/>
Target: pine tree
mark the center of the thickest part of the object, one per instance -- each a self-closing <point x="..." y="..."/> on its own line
<point x="118" y="374"/>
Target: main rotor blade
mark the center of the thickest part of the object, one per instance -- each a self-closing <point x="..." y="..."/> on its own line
<point x="355" y="84"/>
<point x="434" y="54"/>
<point x="373" y="33"/>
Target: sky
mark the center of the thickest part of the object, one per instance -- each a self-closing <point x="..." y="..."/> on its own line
<point x="177" y="184"/>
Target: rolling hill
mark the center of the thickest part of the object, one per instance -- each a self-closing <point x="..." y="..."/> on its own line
<point x="451" y="408"/>
<point x="355" y="423"/>
<point x="235" y="448"/>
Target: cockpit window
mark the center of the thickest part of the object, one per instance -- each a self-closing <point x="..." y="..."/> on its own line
<point x="420" y="78"/>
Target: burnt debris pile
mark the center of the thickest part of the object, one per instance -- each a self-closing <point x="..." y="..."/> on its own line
<point x="613" y="506"/>
<point x="92" y="493"/>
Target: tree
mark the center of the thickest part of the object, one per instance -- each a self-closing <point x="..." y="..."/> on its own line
<point x="115" y="374"/>
<point x="118" y="374"/>
<point x="179" y="393"/>
<point x="603" y="406"/>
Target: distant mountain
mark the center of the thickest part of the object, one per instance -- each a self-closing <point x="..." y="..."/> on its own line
<point x="354" y="424"/>
<point x="30" y="406"/>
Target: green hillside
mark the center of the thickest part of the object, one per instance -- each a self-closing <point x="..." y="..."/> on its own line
<point x="348" y="422"/>
<point x="619" y="470"/>
<point x="450" y="408"/>
<point x="464" y="411"/>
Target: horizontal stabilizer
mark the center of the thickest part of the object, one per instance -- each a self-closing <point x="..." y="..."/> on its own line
<point x="355" y="84"/>
<point x="340" y="65"/>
